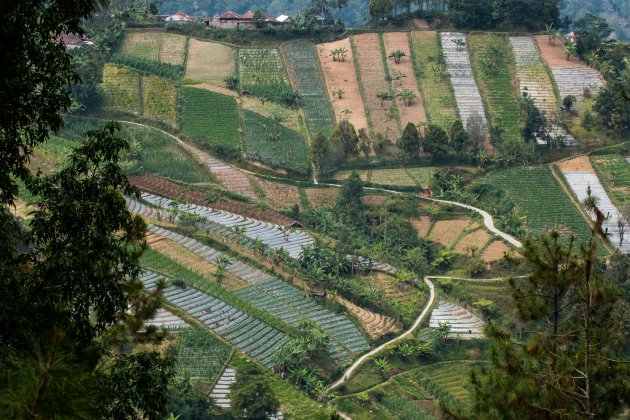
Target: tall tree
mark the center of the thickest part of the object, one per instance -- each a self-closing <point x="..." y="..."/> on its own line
<point x="322" y="154"/>
<point x="345" y="137"/>
<point x="460" y="140"/>
<point x="410" y="141"/>
<point x="380" y="9"/>
<point x="436" y="142"/>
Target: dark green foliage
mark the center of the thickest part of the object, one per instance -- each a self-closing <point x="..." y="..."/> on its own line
<point x="460" y="140"/>
<point x="274" y="144"/>
<point x="570" y="361"/>
<point x="210" y="118"/>
<point x="410" y="141"/>
<point x="533" y="14"/>
<point x="435" y="142"/>
<point x="252" y="397"/>
<point x="188" y="401"/>
<point x="535" y="124"/>
<point x="592" y="30"/>
<point x="613" y="104"/>
<point x="158" y="68"/>
<point x="324" y="155"/>
<point x="345" y="137"/>
<point x="350" y="200"/>
<point x="614" y="11"/>
<point x="380" y="9"/>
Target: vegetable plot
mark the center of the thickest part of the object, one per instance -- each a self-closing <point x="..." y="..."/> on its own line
<point x="262" y="73"/>
<point x="121" y="88"/>
<point x="158" y="46"/>
<point x="201" y="356"/>
<point x="311" y="86"/>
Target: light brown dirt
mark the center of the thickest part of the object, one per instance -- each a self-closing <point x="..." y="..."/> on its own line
<point x="420" y="23"/>
<point x="172" y="48"/>
<point x="372" y="70"/>
<point x="581" y="164"/>
<point x="421" y="225"/>
<point x="374" y="323"/>
<point x="385" y="283"/>
<point x="479" y="238"/>
<point x="447" y="231"/>
<point x="192" y="261"/>
<point x="495" y="251"/>
<point x="414" y="113"/>
<point x="554" y="54"/>
<point x="322" y="197"/>
<point x="213" y="88"/>
<point x="209" y="62"/>
<point x="342" y="74"/>
<point x="280" y="196"/>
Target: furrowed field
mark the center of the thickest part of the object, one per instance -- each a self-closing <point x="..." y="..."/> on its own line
<point x="490" y="56"/>
<point x="200" y="355"/>
<point x="614" y="173"/>
<point x="158" y="46"/>
<point x="274" y="144"/>
<point x="311" y="86"/>
<point x="541" y="200"/>
<point x="436" y="92"/>
<point x="210" y="118"/>
<point x="209" y="62"/>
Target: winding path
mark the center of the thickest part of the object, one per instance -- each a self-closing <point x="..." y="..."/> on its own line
<point x="415" y="325"/>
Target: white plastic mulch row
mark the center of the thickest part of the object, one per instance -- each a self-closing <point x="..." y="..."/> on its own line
<point x="458" y="64"/>
<point x="580" y="182"/>
<point x="166" y="319"/>
<point x="463" y="323"/>
<point x="573" y="81"/>
<point x="250" y="335"/>
<point x="534" y="81"/>
<point x="221" y="391"/>
<point x="269" y="233"/>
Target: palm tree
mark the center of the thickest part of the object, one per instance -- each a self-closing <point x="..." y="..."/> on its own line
<point x="286" y="230"/>
<point x="338" y="92"/>
<point x="259" y="246"/>
<point x="551" y="33"/>
<point x="382" y="365"/>
<point x="223" y="261"/>
<point x="238" y="231"/>
<point x="443" y="330"/>
<point x="459" y="42"/>
<point x="342" y="53"/>
<point x="397" y="56"/>
<point x="570" y="50"/>
<point x="346" y="113"/>
<point x="219" y="274"/>
<point x="407" y="95"/>
<point x="384" y="96"/>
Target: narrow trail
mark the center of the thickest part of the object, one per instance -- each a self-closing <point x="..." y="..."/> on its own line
<point x="346" y="375"/>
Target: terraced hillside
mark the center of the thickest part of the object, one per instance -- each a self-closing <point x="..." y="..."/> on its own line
<point x="463" y="323"/>
<point x="157" y="46"/>
<point x="270" y="234"/>
<point x="284" y="301"/>
<point x="209" y="62"/>
<point x="250" y="335"/>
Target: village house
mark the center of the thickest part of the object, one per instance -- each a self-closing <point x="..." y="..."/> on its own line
<point x="72" y="41"/>
<point x="232" y="20"/>
<point x="180" y="17"/>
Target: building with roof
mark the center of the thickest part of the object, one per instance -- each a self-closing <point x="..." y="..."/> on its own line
<point x="232" y="20"/>
<point x="180" y="17"/>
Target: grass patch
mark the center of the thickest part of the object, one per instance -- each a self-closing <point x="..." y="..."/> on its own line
<point x="158" y="46"/>
<point x="210" y="118"/>
<point x="614" y="173"/>
<point x="439" y="101"/>
<point x="495" y="82"/>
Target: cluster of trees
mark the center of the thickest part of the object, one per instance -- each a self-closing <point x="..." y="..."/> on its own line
<point x="502" y="14"/>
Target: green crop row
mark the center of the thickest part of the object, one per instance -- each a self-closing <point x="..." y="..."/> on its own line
<point x="165" y="70"/>
<point x="311" y="86"/>
<point x="121" y="88"/>
<point x="201" y="355"/>
<point x="211" y="119"/>
<point x="490" y="57"/>
<point x="274" y="144"/>
<point x="262" y="73"/>
<point x="540" y="201"/>
<point x="614" y="173"/>
<point x="436" y="91"/>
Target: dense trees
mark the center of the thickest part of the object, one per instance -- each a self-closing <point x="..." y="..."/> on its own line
<point x="532" y="14"/>
<point x="410" y="141"/>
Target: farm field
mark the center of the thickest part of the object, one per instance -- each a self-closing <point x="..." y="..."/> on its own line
<point x="262" y="73"/>
<point x="209" y="62"/>
<point x="478" y="238"/>
<point x="571" y="76"/>
<point x="288" y="117"/>
<point x="465" y="87"/>
<point x="200" y="355"/>
<point x="437" y="94"/>
<point x="368" y="58"/>
<point x="158" y="46"/>
<point x="311" y="86"/>
<point x="446" y="232"/>
<point x="614" y="173"/>
<point x="321" y="197"/>
<point x="121" y="88"/>
<point x="343" y="75"/>
<point x="56" y="150"/>
<point x="279" y="196"/>
<point x="491" y="56"/>
<point x="540" y="199"/>
<point x="289" y="151"/>
<point x="450" y="378"/>
<point x="210" y="118"/>
<point x="495" y="251"/>
<point x="408" y="177"/>
<point x="414" y="112"/>
<point x="158" y="98"/>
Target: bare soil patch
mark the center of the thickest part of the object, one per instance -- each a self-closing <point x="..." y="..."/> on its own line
<point x="209" y="62"/>
<point x="372" y="70"/>
<point x="421" y="225"/>
<point x="554" y="54"/>
<point x="342" y="75"/>
<point x="420" y="23"/>
<point x="172" y="48"/>
<point x="322" y="197"/>
<point x="414" y="113"/>
<point x="374" y="323"/>
<point x="579" y="164"/>
<point x="213" y="88"/>
<point x="495" y="251"/>
<point x="446" y="232"/>
<point x="479" y="238"/>
<point x="192" y="261"/>
<point x="280" y="196"/>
